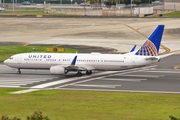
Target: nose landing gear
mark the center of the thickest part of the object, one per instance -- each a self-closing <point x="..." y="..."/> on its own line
<point x="19" y="71"/>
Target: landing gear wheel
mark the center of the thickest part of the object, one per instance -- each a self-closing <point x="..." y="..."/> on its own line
<point x="19" y="71"/>
<point x="88" y="72"/>
<point x="79" y="74"/>
<point x="65" y="72"/>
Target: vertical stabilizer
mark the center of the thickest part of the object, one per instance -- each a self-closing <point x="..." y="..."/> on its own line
<point x="151" y="46"/>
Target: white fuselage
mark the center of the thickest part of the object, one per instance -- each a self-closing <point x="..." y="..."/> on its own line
<point x="93" y="61"/>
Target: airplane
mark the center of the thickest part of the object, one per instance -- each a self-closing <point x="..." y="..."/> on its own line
<point x="63" y="63"/>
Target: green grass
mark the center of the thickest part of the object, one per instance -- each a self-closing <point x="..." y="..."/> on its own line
<point x="91" y="105"/>
<point x="5" y="91"/>
<point x="172" y="14"/>
<point x="7" y="51"/>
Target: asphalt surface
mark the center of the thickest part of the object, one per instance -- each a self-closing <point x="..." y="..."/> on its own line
<point x="157" y="78"/>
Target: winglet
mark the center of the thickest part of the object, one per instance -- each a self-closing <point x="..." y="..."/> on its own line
<point x="132" y="50"/>
<point x="74" y="60"/>
<point x="151" y="46"/>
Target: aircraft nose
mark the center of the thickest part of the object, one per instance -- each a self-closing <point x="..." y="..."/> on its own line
<point x="6" y="61"/>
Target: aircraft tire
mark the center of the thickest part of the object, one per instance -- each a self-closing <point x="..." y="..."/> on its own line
<point x="19" y="71"/>
<point x="79" y="74"/>
<point x="88" y="72"/>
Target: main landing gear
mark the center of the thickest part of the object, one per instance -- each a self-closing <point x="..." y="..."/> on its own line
<point x="88" y="72"/>
<point x="19" y="71"/>
<point x="79" y="74"/>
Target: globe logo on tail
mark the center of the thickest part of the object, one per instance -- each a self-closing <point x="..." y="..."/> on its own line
<point x="148" y="49"/>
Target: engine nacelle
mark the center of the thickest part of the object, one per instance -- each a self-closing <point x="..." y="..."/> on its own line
<point x="57" y="70"/>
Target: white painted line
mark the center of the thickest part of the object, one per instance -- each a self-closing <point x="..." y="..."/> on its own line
<point x="137" y="91"/>
<point x="57" y="82"/>
<point x="73" y="79"/>
<point x="9" y="86"/>
<point x="153" y="76"/>
<point x="13" y="84"/>
<point x="117" y="79"/>
<point x="24" y="91"/>
<point x="67" y="80"/>
<point x="18" y="81"/>
<point x="106" y="86"/>
<point x="164" y="71"/>
<point x="21" y="81"/>
<point x="128" y="71"/>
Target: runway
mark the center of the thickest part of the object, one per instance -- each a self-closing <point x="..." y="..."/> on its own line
<point x="157" y="78"/>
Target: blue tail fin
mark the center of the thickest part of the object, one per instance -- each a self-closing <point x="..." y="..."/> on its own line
<point x="151" y="46"/>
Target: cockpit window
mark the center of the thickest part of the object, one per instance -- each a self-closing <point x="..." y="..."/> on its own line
<point x="11" y="58"/>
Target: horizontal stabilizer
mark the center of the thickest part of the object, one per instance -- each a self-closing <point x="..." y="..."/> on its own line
<point x="166" y="55"/>
<point x="153" y="58"/>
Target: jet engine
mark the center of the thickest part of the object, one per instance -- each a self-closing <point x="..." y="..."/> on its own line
<point x="57" y="70"/>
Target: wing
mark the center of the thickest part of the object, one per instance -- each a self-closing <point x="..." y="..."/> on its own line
<point x="74" y="67"/>
<point x="153" y="58"/>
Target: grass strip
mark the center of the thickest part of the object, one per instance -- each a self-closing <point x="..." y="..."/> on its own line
<point x="91" y="105"/>
<point x="171" y="14"/>
<point x="7" y="51"/>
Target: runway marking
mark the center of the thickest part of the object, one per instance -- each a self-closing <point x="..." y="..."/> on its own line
<point x="117" y="79"/>
<point x="137" y="91"/>
<point x="72" y="79"/>
<point x="153" y="76"/>
<point x="38" y="87"/>
<point x="67" y="80"/>
<point x="177" y="67"/>
<point x="167" y="49"/>
<point x="24" y="91"/>
<point x="136" y="30"/>
<point x="164" y="71"/>
<point x="26" y="44"/>
<point x="127" y="71"/>
<point x="28" y="79"/>
<point x="106" y="86"/>
<point x="9" y="86"/>
<point x="14" y="82"/>
<point x="24" y="80"/>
